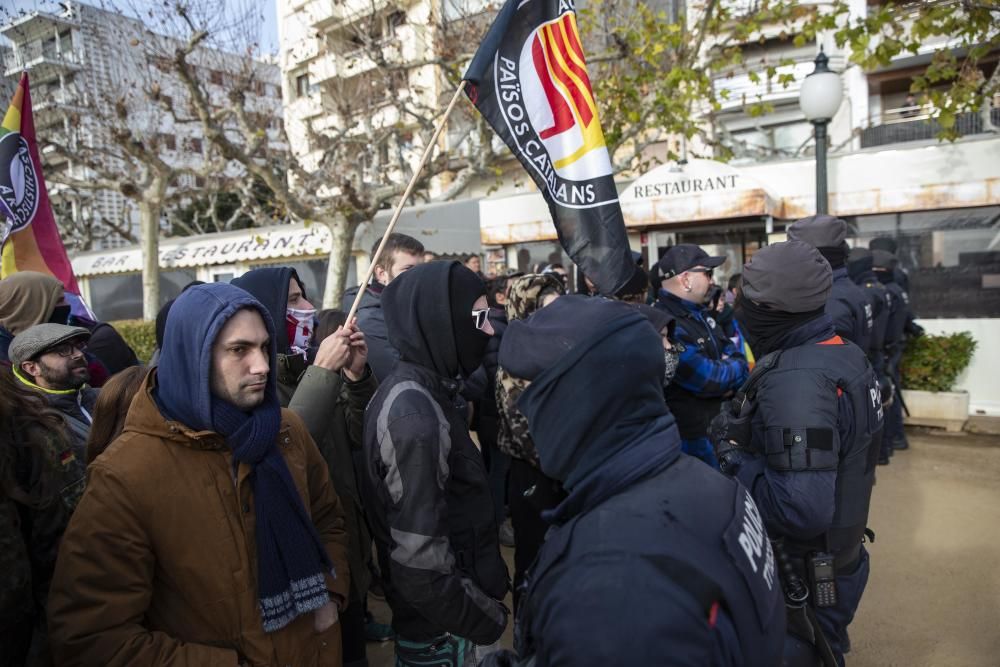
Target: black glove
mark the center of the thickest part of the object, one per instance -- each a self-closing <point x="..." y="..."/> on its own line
<point x="914" y="329"/>
<point x="728" y="429"/>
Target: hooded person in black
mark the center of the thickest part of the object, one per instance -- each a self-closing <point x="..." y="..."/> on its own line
<point x="642" y="564"/>
<point x="424" y="483"/>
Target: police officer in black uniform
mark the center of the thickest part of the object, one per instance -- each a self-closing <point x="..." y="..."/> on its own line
<point x="686" y="542"/>
<point x="886" y="268"/>
<point x="802" y="434"/>
<point x="859" y="268"/>
<point x="848" y="306"/>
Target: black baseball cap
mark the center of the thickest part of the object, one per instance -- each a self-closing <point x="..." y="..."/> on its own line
<point x="685" y="256"/>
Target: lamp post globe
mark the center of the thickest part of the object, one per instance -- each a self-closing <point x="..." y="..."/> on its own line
<point x="819" y="99"/>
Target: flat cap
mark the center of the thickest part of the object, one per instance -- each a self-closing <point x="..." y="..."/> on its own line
<point x="35" y="340"/>
<point x="791" y="277"/>
<point x="685" y="256"/>
<point x="819" y="231"/>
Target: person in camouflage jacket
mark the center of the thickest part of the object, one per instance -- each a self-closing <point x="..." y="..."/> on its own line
<point x="527" y="294"/>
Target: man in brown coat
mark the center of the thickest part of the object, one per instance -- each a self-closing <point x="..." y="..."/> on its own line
<point x="209" y="533"/>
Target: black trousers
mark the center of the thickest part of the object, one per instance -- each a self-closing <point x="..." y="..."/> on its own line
<point x="526" y="517"/>
<point x="352" y="634"/>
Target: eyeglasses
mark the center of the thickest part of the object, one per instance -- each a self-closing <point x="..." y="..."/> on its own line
<point x="701" y="269"/>
<point x="481" y="317"/>
<point x="67" y="349"/>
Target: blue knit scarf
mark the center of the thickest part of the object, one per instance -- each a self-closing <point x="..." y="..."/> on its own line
<point x="291" y="559"/>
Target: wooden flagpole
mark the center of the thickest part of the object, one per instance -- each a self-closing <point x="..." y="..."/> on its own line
<point x="402" y="202"/>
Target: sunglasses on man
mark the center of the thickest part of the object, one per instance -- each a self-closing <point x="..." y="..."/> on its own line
<point x="481" y="317"/>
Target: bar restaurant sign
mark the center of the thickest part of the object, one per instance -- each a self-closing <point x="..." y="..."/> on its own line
<point x="697" y="190"/>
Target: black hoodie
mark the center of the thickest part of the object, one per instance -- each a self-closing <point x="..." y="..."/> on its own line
<point x="423" y="482"/>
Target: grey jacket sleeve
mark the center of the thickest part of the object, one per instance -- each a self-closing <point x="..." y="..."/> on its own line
<point x="414" y="449"/>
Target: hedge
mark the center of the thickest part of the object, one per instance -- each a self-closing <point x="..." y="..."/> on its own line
<point x="933" y="363"/>
<point x="140" y="335"/>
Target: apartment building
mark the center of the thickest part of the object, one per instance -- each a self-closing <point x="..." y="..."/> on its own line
<point x="82" y="61"/>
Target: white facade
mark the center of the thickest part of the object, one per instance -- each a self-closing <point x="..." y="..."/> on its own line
<point x="84" y="59"/>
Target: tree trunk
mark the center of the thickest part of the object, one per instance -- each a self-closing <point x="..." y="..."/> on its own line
<point x="149" y="229"/>
<point x="338" y="264"/>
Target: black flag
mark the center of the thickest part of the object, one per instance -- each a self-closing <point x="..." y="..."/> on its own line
<point x="529" y="80"/>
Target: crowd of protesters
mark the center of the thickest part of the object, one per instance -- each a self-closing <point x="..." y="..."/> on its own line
<point x="684" y="473"/>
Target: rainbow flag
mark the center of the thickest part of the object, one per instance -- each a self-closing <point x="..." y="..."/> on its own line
<point x="29" y="237"/>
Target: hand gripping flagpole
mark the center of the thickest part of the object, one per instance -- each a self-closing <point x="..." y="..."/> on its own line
<point x="406" y="195"/>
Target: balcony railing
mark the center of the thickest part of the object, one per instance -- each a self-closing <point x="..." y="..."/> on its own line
<point x="914" y="123"/>
<point x="740" y="88"/>
<point x="32" y="55"/>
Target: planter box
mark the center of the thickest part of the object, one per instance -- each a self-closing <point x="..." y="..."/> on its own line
<point x="943" y="409"/>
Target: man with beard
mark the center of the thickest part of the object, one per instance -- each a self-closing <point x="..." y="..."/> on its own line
<point x="209" y="533"/>
<point x="50" y="359"/>
<point x="424" y="484"/>
<point x="401" y="253"/>
<point x="803" y="435"/>
<point x="710" y="367"/>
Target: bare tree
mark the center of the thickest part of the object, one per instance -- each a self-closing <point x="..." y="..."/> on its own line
<point x="355" y="156"/>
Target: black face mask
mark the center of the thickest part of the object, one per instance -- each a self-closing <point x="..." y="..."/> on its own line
<point x="764" y="328"/>
<point x="60" y="315"/>
<point x="464" y="289"/>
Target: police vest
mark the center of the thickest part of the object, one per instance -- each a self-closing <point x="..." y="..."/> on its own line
<point x="797" y="427"/>
<point x="711" y="543"/>
<point x="850" y="310"/>
<point x="898" y="314"/>
<point x="881" y="302"/>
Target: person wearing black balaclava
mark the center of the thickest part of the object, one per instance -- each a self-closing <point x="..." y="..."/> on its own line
<point x="848" y="307"/>
<point x="424" y="485"/>
<point x="886" y="269"/>
<point x="803" y="435"/>
<point x="648" y="560"/>
<point x="860" y="269"/>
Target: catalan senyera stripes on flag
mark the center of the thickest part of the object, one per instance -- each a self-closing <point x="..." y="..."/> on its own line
<point x="33" y="243"/>
<point x="529" y="80"/>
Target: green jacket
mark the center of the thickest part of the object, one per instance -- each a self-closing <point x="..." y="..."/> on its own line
<point x="333" y="410"/>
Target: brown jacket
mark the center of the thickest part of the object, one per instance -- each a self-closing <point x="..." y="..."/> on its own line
<point x="158" y="565"/>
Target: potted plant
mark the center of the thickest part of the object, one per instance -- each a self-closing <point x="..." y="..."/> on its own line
<point x="929" y="368"/>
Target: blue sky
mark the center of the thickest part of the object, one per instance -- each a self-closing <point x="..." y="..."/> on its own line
<point x="269" y="29"/>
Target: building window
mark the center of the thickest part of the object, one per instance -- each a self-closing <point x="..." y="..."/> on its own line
<point x="216" y="77"/>
<point x="950" y="256"/>
<point x="193" y="145"/>
<point x="168" y="141"/>
<point x="302" y="85"/>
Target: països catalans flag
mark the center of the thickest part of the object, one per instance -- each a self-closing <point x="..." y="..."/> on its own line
<point x="529" y="81"/>
<point x="28" y="231"/>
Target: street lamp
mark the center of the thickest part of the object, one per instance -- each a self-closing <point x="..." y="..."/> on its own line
<point x="819" y="99"/>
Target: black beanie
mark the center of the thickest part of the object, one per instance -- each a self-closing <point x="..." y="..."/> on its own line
<point x="464" y="288"/>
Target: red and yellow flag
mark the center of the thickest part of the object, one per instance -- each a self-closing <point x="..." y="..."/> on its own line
<point x="29" y="234"/>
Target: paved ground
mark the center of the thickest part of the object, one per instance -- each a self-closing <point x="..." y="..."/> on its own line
<point x="934" y="595"/>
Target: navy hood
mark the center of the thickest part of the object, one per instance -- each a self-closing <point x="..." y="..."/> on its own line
<point x="270" y="287"/>
<point x="184" y="390"/>
<point x="596" y="397"/>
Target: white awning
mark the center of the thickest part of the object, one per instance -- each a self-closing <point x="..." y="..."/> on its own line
<point x="700" y="190"/>
<point x="248" y="245"/>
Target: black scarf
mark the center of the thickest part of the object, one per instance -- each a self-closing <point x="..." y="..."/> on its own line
<point x="765" y="328"/>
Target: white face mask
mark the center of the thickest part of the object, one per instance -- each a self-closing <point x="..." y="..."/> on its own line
<point x="302" y="321"/>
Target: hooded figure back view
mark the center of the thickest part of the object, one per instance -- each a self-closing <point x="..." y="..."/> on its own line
<point x="424" y="484"/>
<point x="683" y="540"/>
